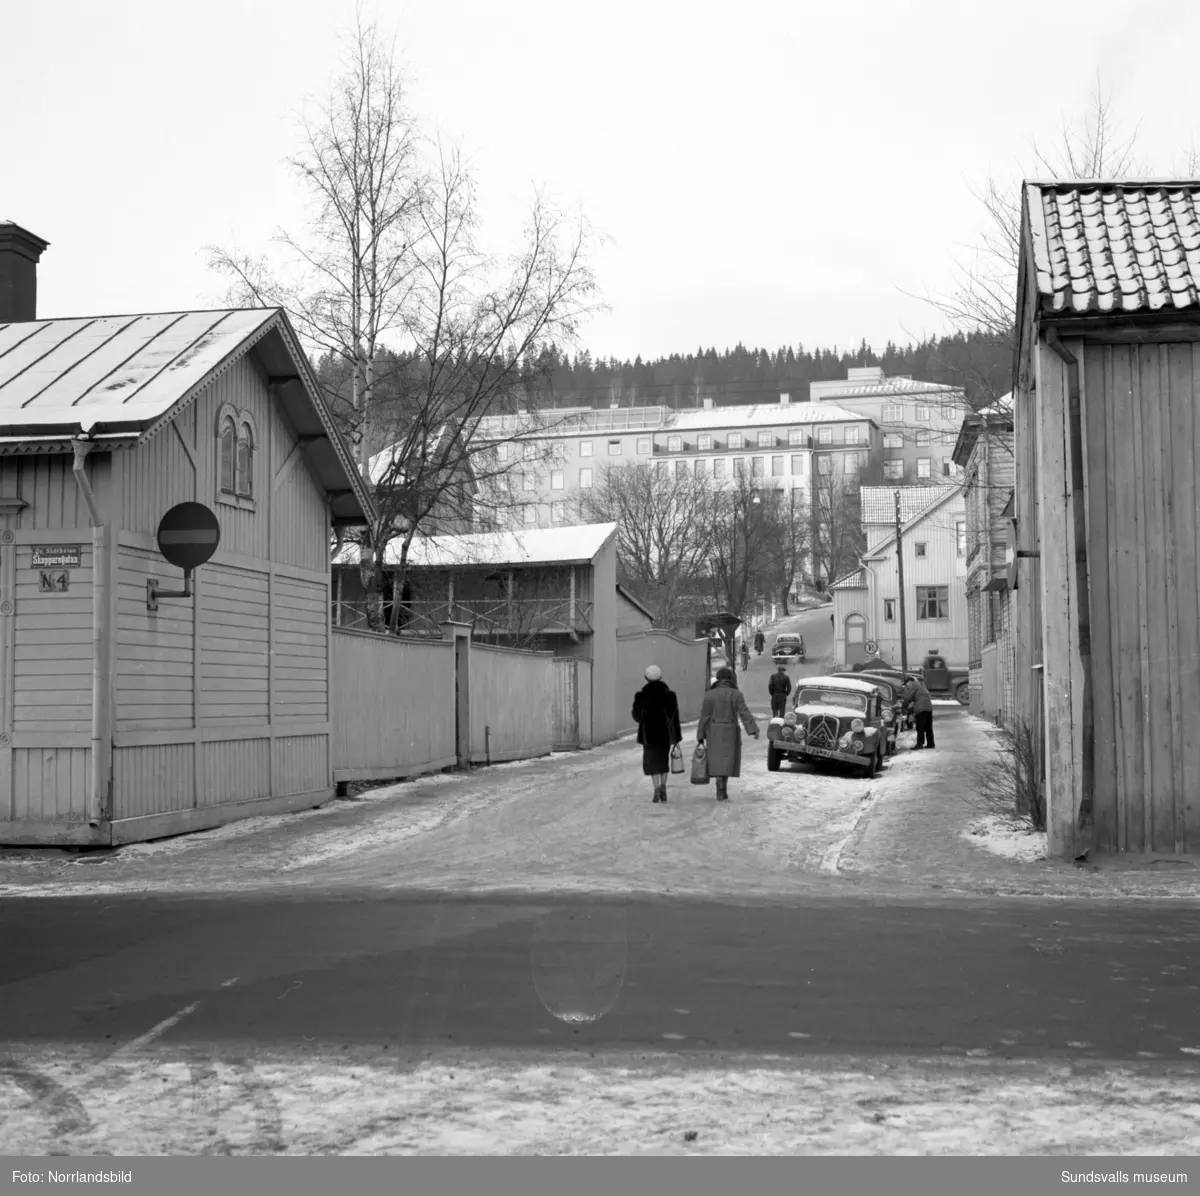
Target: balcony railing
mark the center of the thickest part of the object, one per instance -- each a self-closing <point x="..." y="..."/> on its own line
<point x="490" y="618"/>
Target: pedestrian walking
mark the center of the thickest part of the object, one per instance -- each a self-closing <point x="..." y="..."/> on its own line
<point x="745" y="656"/>
<point x="656" y="712"/>
<point x="917" y="699"/>
<point x="760" y="641"/>
<point x="718" y="730"/>
<point x="779" y="687"/>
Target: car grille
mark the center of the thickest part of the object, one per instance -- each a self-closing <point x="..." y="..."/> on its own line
<point x="822" y="731"/>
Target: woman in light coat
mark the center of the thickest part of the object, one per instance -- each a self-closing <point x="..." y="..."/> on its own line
<point x="656" y="712"/>
<point x="718" y="730"/>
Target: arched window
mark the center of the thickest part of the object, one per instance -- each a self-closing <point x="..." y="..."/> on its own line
<point x="245" y="461"/>
<point x="228" y="456"/>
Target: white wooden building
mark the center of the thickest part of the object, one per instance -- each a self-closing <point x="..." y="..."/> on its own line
<point x="119" y="723"/>
<point x="866" y="602"/>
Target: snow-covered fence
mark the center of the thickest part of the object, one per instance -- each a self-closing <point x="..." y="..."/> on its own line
<point x="511" y="703"/>
<point x="684" y="664"/>
<point x="392" y="702"/>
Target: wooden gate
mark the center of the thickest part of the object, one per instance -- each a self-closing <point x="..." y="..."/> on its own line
<point x="566" y="703"/>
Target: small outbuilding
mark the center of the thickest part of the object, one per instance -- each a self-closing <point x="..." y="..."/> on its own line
<point x="133" y="705"/>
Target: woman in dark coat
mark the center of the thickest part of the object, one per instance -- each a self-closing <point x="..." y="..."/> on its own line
<point x="656" y="711"/>
<point x="723" y="706"/>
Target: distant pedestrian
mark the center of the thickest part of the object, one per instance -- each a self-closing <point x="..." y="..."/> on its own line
<point x="779" y="687"/>
<point x="656" y="712"/>
<point x="917" y="699"/>
<point x="760" y="641"/>
<point x="723" y="706"/>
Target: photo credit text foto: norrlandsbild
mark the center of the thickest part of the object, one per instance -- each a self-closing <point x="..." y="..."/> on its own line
<point x="72" y="1177"/>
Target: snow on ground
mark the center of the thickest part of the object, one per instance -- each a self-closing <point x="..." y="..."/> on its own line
<point x="179" y="1102"/>
<point x="1005" y="836"/>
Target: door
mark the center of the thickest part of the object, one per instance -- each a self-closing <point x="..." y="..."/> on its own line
<point x="856" y="639"/>
<point x="566" y="704"/>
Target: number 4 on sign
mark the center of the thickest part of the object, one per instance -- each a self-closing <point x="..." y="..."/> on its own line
<point x="54" y="581"/>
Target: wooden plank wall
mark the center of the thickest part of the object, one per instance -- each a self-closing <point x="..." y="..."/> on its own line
<point x="684" y="664"/>
<point x="1143" y="509"/>
<point x="511" y="702"/>
<point x="394" y="713"/>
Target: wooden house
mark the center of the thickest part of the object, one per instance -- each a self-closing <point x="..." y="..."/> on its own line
<point x="984" y="454"/>
<point x="119" y="722"/>
<point x="866" y="602"/>
<point x="1104" y="552"/>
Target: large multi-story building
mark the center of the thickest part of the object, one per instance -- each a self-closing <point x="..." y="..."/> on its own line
<point x="918" y="421"/>
<point x="555" y="456"/>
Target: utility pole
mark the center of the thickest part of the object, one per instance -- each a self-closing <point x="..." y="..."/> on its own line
<point x="900" y="599"/>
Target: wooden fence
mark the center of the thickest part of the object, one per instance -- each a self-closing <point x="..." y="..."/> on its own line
<point x="572" y="703"/>
<point x="684" y="664"/>
<point x="511" y="703"/>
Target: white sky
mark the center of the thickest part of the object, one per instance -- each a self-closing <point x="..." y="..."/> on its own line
<point x="775" y="177"/>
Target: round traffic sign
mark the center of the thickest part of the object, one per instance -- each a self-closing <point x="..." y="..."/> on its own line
<point x="188" y="535"/>
<point x="872" y="647"/>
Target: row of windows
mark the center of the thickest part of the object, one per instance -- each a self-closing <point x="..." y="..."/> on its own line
<point x="530" y="449"/>
<point x="933" y="602"/>
<point x="895" y="440"/>
<point x="893" y="469"/>
<point x="894" y="413"/>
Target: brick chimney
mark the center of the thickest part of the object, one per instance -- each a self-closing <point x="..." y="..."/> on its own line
<point x="19" y="254"/>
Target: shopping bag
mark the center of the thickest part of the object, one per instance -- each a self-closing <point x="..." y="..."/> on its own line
<point x="700" y="765"/>
<point x="677" y="759"/>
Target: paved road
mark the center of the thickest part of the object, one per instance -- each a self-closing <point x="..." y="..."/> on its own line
<point x="403" y="970"/>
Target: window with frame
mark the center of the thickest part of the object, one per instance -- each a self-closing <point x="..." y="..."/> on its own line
<point x="850" y="463"/>
<point x="889" y="610"/>
<point x="236" y="442"/>
<point x="701" y="468"/>
<point x="681" y="469"/>
<point x="950" y="469"/>
<point x="501" y="482"/>
<point x="852" y="435"/>
<point x="796" y="437"/>
<point x="893" y="440"/>
<point x="921" y="411"/>
<point x="558" y="512"/>
<point x="960" y="537"/>
<point x="643" y="445"/>
<point x="739" y="467"/>
<point x="919" y="548"/>
<point x="529" y="482"/>
<point x="720" y="468"/>
<point x="662" y="469"/>
<point x="798" y="466"/>
<point x="585" y="479"/>
<point x="923" y="467"/>
<point x="674" y="444"/>
<point x="824" y="435"/>
<point x="892" y="413"/>
<point x="503" y="452"/>
<point x="529" y="450"/>
<point x="758" y="467"/>
<point x="777" y="467"/>
<point x="824" y="466"/>
<point x="924" y="436"/>
<point x="557" y="479"/>
<point x="560" y="450"/>
<point x="614" y="448"/>
<point x="585" y="448"/>
<point x="736" y="440"/>
<point x="529" y="512"/>
<point x="933" y="602"/>
<point x="704" y="442"/>
<point x="893" y="470"/>
<point x="766" y="440"/>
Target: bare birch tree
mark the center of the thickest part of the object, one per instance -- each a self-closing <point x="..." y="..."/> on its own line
<point x="837" y="535"/>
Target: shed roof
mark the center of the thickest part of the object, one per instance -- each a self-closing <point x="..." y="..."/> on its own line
<point x="1104" y="247"/>
<point x="117" y="380"/>
<point x="825" y="392"/>
<point x="999" y="415"/>
<point x="540" y="546"/>
<point x="857" y="580"/>
<point x="879" y="502"/>
<point x="633" y="601"/>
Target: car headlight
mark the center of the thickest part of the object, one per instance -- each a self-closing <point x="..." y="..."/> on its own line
<point x="788" y="731"/>
<point x="790" y="718"/>
<point x="857" y="725"/>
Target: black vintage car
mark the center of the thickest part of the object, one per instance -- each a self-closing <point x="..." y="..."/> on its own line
<point x="833" y="719"/>
<point x="893" y="705"/>
<point x="787" y="648"/>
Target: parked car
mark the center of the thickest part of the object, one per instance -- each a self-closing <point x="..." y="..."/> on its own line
<point x="939" y="678"/>
<point x="905" y="721"/>
<point x="788" y="647"/>
<point x="893" y="706"/>
<point x="832" y="718"/>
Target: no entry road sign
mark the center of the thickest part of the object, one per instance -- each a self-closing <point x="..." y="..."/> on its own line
<point x="188" y="535"/>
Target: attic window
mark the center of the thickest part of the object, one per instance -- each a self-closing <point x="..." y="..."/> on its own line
<point x="237" y="441"/>
<point x="919" y="548"/>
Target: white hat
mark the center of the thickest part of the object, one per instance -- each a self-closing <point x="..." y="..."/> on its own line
<point x="654" y="673"/>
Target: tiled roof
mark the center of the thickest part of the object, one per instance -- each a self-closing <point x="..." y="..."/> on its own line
<point x="879" y="502"/>
<point x="944" y="495"/>
<point x="761" y="415"/>
<point x="1115" y="246"/>
<point x="852" y="581"/>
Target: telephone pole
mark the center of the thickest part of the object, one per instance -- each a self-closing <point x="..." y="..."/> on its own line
<point x="900" y="599"/>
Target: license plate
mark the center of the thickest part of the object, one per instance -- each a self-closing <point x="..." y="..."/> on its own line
<point x="812" y="751"/>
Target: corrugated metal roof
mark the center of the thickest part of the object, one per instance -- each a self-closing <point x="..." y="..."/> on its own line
<point x="879" y="502"/>
<point x="542" y="546"/>
<point x="852" y="581"/>
<point x="826" y="390"/>
<point x="762" y="415"/>
<point x="1115" y="246"/>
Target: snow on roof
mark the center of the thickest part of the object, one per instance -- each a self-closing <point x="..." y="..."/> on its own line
<point x="1003" y="406"/>
<point x="92" y="373"/>
<point x="852" y="581"/>
<point x="849" y="683"/>
<point x="1109" y="246"/>
<point x="879" y="502"/>
<point x="945" y="494"/>
<point x="762" y="414"/>
<point x="539" y="546"/>
<point x="861" y="388"/>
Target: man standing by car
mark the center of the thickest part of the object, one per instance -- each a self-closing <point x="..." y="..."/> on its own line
<point x="779" y="687"/>
<point x="917" y="699"/>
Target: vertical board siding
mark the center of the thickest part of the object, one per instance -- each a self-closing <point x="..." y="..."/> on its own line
<point x="566" y="702"/>
<point x="298" y="510"/>
<point x="47" y="484"/>
<point x="235" y="770"/>
<point x="393" y="707"/>
<point x="52" y="658"/>
<point x="684" y="665"/>
<point x="300" y="631"/>
<point x="1143" y="509"/>
<point x="159" y="474"/>
<point x="512" y="702"/>
<point x="50" y="784"/>
<point x="154" y="659"/>
<point x="301" y="764"/>
<point x="153" y="780"/>
<point x="234" y="647"/>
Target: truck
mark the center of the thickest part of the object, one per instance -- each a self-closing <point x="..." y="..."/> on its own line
<point x="942" y="680"/>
